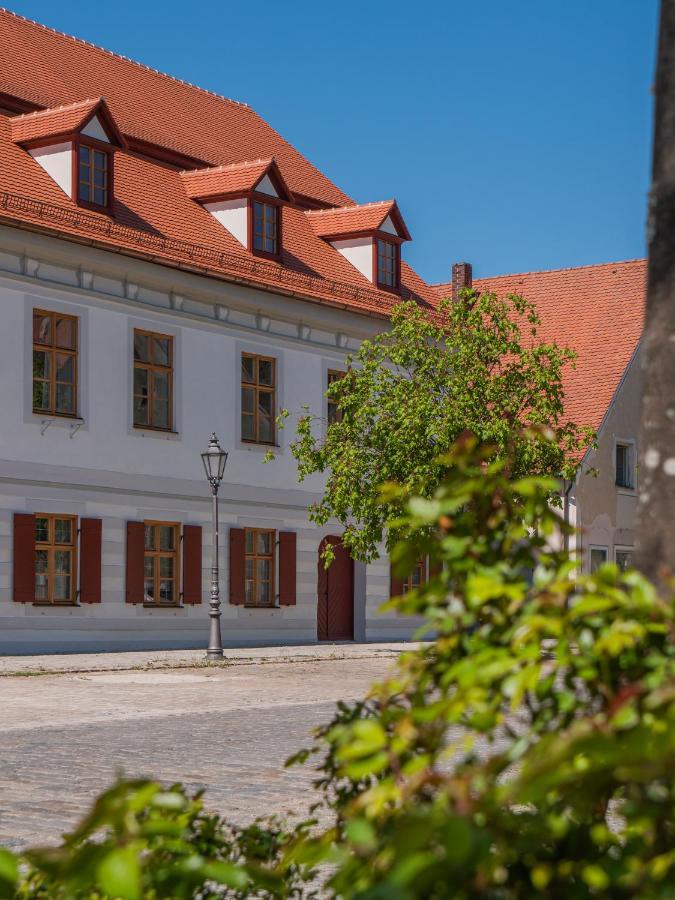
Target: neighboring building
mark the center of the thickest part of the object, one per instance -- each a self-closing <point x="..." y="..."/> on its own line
<point x="169" y="267"/>
<point x="597" y="311"/>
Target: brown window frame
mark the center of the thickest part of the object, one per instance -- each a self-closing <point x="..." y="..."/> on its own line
<point x="396" y="259"/>
<point x="258" y="389"/>
<point x="266" y="202"/>
<point x="333" y="411"/>
<point x="52" y="547"/>
<point x="255" y="556"/>
<point x="157" y="554"/>
<point x="421" y="566"/>
<point x="151" y="367"/>
<point x="93" y="146"/>
<point x="52" y="350"/>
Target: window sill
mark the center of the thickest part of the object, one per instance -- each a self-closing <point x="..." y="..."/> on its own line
<point x="258" y="445"/>
<point x="263" y="608"/>
<point x="146" y="431"/>
<point x="626" y="491"/>
<point x="40" y="605"/>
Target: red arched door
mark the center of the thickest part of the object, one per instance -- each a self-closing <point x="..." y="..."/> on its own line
<point x="335" y="612"/>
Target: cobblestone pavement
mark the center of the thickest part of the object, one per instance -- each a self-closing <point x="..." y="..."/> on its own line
<point x="228" y="730"/>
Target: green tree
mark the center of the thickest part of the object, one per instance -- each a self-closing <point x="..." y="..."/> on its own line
<point x="477" y="364"/>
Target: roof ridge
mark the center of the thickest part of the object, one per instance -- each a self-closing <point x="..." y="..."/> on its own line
<point x="54" y="109"/>
<point x="72" y="37"/>
<point x="335" y="209"/>
<point x="227" y="166"/>
<point x="619" y="262"/>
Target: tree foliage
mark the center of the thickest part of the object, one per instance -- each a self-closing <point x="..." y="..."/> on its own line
<point x="409" y="392"/>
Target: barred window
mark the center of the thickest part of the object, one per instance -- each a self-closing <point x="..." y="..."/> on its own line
<point x="54" y="363"/>
<point x="259" y="562"/>
<point x="55" y="558"/>
<point x="160" y="564"/>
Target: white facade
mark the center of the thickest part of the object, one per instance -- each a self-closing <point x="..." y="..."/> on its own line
<point x="100" y="466"/>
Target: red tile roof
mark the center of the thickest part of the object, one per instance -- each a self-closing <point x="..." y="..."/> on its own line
<point x="202" y="183"/>
<point x="351" y="219"/>
<point x="598" y="311"/>
<point x="50" y="122"/>
<point x="153" y="216"/>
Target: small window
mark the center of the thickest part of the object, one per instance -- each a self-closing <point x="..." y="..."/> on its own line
<point x="387" y="264"/>
<point x="153" y="380"/>
<point x="417" y="577"/>
<point x="334" y="413"/>
<point x="93" y="183"/>
<point x="54" y="363"/>
<point x="55" y="558"/>
<point x="265" y="228"/>
<point x="598" y="557"/>
<point x="259" y="567"/>
<point x="258" y="400"/>
<point x="624" y="466"/>
<point x="160" y="564"/>
<point x="624" y="559"/>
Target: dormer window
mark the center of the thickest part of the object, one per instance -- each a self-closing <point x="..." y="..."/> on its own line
<point x="266" y="222"/>
<point x="94" y="174"/>
<point x="388" y="265"/>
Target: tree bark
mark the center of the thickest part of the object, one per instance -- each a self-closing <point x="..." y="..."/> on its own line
<point x="656" y="508"/>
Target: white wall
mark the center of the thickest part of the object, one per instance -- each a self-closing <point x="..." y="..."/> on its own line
<point x="94" y="129"/>
<point x="359" y="252"/>
<point x="233" y="215"/>
<point x="57" y="161"/>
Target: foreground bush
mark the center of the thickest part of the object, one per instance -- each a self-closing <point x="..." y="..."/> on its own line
<point x="528" y="749"/>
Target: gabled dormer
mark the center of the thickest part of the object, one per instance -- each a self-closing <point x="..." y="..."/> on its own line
<point x="369" y="236"/>
<point x="247" y="199"/>
<point x="76" y="146"/>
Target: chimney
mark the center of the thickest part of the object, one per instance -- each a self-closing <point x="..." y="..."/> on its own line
<point x="462" y="277"/>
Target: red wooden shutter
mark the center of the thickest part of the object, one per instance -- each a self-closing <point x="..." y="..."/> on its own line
<point x="135" y="550"/>
<point x="90" y="560"/>
<point x="237" y="565"/>
<point x="395" y="583"/>
<point x="192" y="563"/>
<point x="287" y="555"/>
<point x="23" y="558"/>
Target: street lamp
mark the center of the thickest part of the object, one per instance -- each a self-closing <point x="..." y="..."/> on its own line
<point x="214" y="459"/>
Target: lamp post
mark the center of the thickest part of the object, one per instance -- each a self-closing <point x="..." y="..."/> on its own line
<point x="214" y="459"/>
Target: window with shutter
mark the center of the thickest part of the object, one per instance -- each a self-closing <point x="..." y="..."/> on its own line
<point x="55" y="558"/>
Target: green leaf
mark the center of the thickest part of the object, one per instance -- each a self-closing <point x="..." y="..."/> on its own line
<point x="119" y="873"/>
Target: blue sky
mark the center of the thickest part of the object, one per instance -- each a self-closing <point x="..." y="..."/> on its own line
<point x="515" y="135"/>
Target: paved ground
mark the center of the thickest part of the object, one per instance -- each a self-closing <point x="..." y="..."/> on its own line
<point x="226" y="728"/>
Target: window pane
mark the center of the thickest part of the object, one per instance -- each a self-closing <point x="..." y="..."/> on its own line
<point x="265" y="372"/>
<point x="63" y="531"/>
<point x="263" y="570"/>
<point x="166" y="592"/>
<point x="264" y="542"/>
<point x="41" y="560"/>
<point x="140" y="411"/>
<point x="42" y="329"/>
<point x="141" y="347"/>
<point x="85" y="155"/>
<point x="166" y="566"/>
<point x="248" y="598"/>
<point x="265" y="403"/>
<point x="162" y="351"/>
<point x="41" y="529"/>
<point x="100" y="159"/>
<point x="62" y="587"/>
<point x="598" y="557"/>
<point x="149" y="537"/>
<point x="258" y="243"/>
<point x="160" y="386"/>
<point x="250" y="535"/>
<point x="247" y="369"/>
<point x="247" y="400"/>
<point x="166" y="537"/>
<point x="41" y="587"/>
<point x="141" y="381"/>
<point x="265" y="430"/>
<point x="40" y="395"/>
<point x="65" y="368"/>
<point x="247" y="427"/>
<point x="149" y="590"/>
<point x="99" y="178"/>
<point x="160" y="413"/>
<point x="149" y="566"/>
<point x="41" y="364"/>
<point x="64" y="336"/>
<point x="99" y="196"/>
<point x="62" y="562"/>
<point x="624" y="559"/>
<point x="264" y="593"/>
<point x="65" y="398"/>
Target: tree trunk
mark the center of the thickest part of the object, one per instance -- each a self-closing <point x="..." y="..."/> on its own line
<point x="656" y="509"/>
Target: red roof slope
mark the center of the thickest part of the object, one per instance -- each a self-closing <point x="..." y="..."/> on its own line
<point x="351" y="219"/>
<point x="200" y="183"/>
<point x="598" y="311"/>
<point x="48" y="122"/>
<point x="153" y="216"/>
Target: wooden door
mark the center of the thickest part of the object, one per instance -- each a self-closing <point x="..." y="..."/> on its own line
<point x="335" y="612"/>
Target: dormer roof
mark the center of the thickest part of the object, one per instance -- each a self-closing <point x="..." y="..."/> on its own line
<point x="63" y="121"/>
<point x="347" y="221"/>
<point x="236" y="179"/>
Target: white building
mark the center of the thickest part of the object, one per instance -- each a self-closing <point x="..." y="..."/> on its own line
<point x="169" y="267"/>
